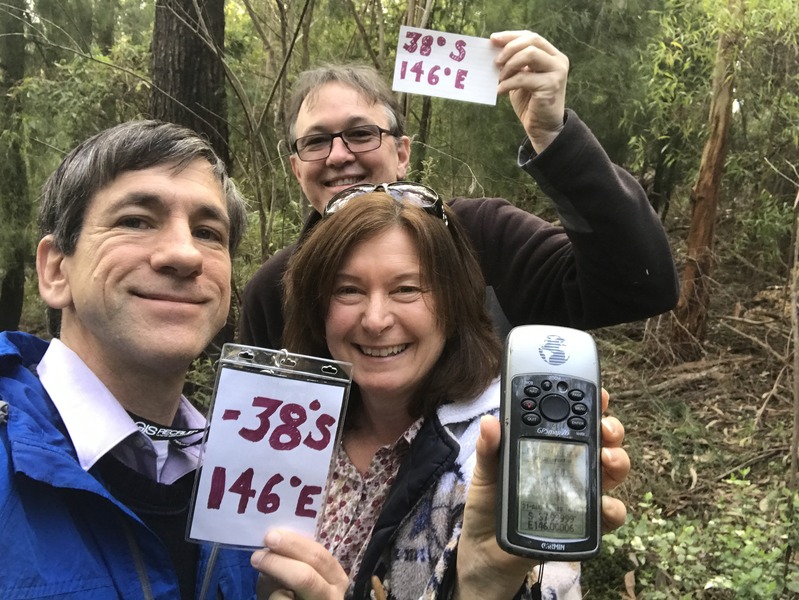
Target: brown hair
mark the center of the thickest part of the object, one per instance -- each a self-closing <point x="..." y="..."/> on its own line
<point x="470" y="359"/>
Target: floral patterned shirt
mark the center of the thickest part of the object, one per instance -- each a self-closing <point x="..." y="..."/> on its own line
<point x="354" y="500"/>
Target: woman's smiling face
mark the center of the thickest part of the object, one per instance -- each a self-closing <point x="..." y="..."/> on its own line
<point x="382" y="319"/>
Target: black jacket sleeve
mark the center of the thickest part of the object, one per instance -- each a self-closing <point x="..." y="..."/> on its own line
<point x="261" y="317"/>
<point x="610" y="262"/>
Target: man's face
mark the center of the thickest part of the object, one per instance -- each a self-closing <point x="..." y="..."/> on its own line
<point x="148" y="285"/>
<point x="332" y="108"/>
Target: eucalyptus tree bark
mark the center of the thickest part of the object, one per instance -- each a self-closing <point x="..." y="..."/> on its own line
<point x="690" y="316"/>
<point x="187" y="70"/>
<point x="15" y="209"/>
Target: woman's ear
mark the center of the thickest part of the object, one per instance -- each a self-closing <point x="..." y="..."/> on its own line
<point x="53" y="280"/>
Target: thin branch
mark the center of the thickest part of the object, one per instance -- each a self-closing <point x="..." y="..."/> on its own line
<point x="780" y="173"/>
<point x="256" y="24"/>
<point x="282" y="71"/>
<point x="12" y="10"/>
<point x="671" y="383"/>
<point x="475" y="181"/>
<point x="765" y="455"/>
<point x="364" y="35"/>
<point x="779" y="357"/>
<point x="428" y="9"/>
<point x="770" y="395"/>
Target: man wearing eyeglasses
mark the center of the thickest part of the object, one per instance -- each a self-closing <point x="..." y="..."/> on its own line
<point x="609" y="262"/>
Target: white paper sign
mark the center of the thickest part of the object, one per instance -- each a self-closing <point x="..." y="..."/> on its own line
<point x="266" y="458"/>
<point x="446" y="65"/>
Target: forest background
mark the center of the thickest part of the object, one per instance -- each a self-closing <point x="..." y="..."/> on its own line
<point x="699" y="99"/>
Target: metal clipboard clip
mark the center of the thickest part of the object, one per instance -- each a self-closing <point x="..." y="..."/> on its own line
<point x="283" y="362"/>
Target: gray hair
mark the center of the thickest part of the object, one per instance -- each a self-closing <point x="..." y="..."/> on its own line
<point x="362" y="78"/>
<point x="130" y="146"/>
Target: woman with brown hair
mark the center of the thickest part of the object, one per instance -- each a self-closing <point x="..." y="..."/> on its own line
<point x="388" y="282"/>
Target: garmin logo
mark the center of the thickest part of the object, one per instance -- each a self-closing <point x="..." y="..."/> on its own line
<point x="555" y="432"/>
<point x="557" y="547"/>
<point x="554" y="350"/>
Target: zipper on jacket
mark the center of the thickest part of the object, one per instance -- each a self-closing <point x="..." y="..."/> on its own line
<point x="138" y="561"/>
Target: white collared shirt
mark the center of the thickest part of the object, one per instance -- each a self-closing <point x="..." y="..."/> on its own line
<point x="98" y="424"/>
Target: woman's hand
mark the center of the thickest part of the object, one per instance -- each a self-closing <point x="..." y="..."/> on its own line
<point x="533" y="73"/>
<point x="484" y="570"/>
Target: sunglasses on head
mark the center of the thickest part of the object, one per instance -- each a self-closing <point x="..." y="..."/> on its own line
<point x="406" y="192"/>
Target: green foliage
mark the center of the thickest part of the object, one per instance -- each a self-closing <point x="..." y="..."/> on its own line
<point x="34" y="310"/>
<point x="285" y="230"/>
<point x="670" y="115"/>
<point x="604" y="42"/>
<point x="464" y="168"/>
<point x="744" y="547"/>
<point x="765" y="227"/>
<point x="76" y="98"/>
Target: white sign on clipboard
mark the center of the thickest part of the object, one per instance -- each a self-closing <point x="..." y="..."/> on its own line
<point x="274" y="424"/>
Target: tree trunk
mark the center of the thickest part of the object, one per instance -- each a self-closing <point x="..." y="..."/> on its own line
<point x="690" y="315"/>
<point x="105" y="17"/>
<point x="15" y="210"/>
<point x="188" y="75"/>
<point x="420" y="152"/>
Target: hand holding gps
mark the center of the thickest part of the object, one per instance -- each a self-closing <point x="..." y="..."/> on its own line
<point x="549" y="486"/>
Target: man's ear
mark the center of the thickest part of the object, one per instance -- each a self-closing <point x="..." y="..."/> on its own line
<point x="53" y="279"/>
<point x="403" y="156"/>
<point x="294" y="162"/>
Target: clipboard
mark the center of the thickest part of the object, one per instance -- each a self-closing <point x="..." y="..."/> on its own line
<point x="275" y="421"/>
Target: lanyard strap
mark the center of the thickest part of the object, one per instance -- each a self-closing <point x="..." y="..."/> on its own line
<point x="156" y="431"/>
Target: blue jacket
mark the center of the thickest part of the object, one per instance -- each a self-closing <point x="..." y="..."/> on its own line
<point x="62" y="535"/>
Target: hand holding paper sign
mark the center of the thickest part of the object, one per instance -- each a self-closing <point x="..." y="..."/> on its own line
<point x="274" y="423"/>
<point x="460" y="67"/>
<point x="533" y="73"/>
<point x="447" y="65"/>
<point x="295" y="562"/>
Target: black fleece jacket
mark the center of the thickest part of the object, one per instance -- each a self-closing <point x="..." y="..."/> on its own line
<point x="608" y="263"/>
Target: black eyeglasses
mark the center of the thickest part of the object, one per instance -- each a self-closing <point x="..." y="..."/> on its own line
<point x="357" y="139"/>
<point x="416" y="194"/>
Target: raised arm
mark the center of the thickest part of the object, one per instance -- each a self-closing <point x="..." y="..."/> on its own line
<point x="609" y="261"/>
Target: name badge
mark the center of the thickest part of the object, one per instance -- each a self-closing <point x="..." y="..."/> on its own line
<point x="275" y="422"/>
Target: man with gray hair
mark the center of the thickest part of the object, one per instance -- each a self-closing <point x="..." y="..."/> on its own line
<point x="98" y="446"/>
